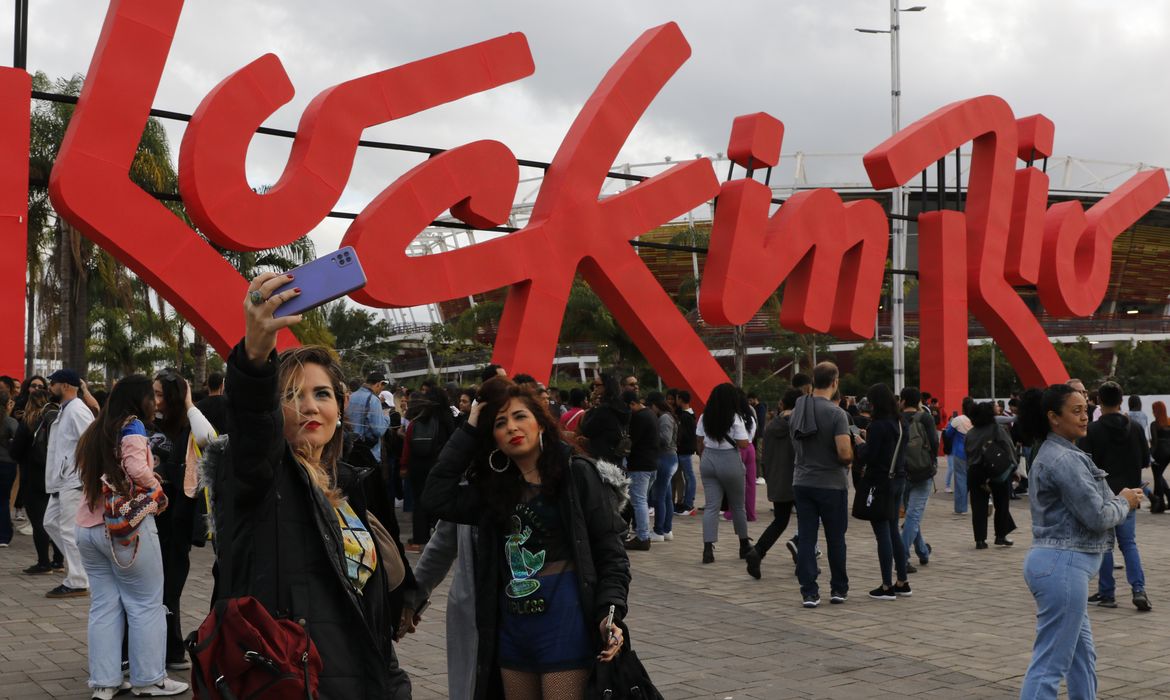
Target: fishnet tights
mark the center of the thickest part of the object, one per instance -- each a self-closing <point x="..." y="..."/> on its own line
<point x="562" y="685"/>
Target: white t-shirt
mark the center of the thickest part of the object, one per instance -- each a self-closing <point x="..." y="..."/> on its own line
<point x="737" y="432"/>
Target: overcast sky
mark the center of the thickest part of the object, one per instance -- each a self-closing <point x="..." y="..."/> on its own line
<point x="1095" y="68"/>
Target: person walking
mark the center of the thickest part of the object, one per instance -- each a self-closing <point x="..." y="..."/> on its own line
<point x="721" y="435"/>
<point x="125" y="575"/>
<point x="990" y="450"/>
<point x="921" y="468"/>
<point x="30" y="449"/>
<point x="956" y="435"/>
<point x="182" y="433"/>
<point x="779" y="460"/>
<point x="1073" y="516"/>
<point x="751" y="421"/>
<point x="824" y="451"/>
<point x="882" y="457"/>
<point x="549" y="560"/>
<point x="686" y="452"/>
<point x="1160" y="456"/>
<point x="641" y="466"/>
<point x="61" y="480"/>
<point x="667" y="466"/>
<point x="1118" y="446"/>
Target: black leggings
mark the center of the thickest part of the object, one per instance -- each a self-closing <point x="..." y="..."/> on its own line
<point x="781" y="513"/>
<point x="1000" y="497"/>
<point x="35" y="505"/>
<point x="1160" y="486"/>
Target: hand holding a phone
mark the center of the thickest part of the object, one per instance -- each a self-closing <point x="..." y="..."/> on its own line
<point x="260" y="327"/>
<point x="612" y="638"/>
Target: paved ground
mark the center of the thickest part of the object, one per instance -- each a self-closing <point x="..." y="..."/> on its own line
<point x="713" y="632"/>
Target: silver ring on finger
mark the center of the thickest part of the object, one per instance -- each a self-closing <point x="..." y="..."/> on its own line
<point x="256" y="297"/>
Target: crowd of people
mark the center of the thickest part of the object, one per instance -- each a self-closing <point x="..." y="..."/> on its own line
<point x="534" y="496"/>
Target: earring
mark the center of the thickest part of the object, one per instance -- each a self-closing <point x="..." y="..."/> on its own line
<point x="540" y="437"/>
<point x="492" y="464"/>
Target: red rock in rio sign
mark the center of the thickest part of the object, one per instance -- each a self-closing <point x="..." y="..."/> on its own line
<point x="830" y="254"/>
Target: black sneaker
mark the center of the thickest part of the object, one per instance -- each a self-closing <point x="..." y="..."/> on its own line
<point x="753" y="563"/>
<point x="638" y="545"/>
<point x="837" y="598"/>
<point x="1103" y="601"/>
<point x="811" y="601"/>
<point x="64" y="591"/>
<point x="791" y="549"/>
<point x="902" y="590"/>
<point x="981" y="545"/>
<point x="923" y="561"/>
<point x="911" y="569"/>
<point x="37" y="569"/>
<point x="58" y="566"/>
<point x="1003" y="542"/>
<point x="883" y="593"/>
<point x="1141" y="602"/>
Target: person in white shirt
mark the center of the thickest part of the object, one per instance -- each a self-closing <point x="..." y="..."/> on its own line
<point x="723" y="434"/>
<point x="61" y="480"/>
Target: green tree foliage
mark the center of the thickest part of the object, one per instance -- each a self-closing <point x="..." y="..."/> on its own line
<point x="361" y="338"/>
<point x="1079" y="360"/>
<point x="1143" y="368"/>
<point x="979" y="372"/>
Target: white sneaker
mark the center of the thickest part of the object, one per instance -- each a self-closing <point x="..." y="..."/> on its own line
<point x="25" y="529"/>
<point x="109" y="693"/>
<point x="163" y="688"/>
<point x="949" y="490"/>
<point x="657" y="538"/>
<point x="760" y="481"/>
<point x="19" y="514"/>
<point x="668" y="536"/>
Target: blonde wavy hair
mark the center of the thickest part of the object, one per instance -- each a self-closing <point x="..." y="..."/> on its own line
<point x="290" y="366"/>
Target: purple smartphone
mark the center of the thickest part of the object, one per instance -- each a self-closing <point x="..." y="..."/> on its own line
<point x="322" y="281"/>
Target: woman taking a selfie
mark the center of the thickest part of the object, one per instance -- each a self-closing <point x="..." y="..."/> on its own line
<point x="125" y="579"/>
<point x="1073" y="516"/>
<point x="549" y="559"/>
<point x="301" y="540"/>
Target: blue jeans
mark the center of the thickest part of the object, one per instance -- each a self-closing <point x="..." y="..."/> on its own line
<point x="916" y="495"/>
<point x="1126" y="533"/>
<point x="1059" y="581"/>
<point x="960" y="485"/>
<point x="950" y="470"/>
<point x="815" y="506"/>
<point x="121" y="598"/>
<point x="640" y="483"/>
<point x="687" y="464"/>
<point x="660" y="494"/>
<point x="7" y="478"/>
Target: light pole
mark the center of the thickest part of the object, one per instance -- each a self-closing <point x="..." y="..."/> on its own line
<point x="898" y="226"/>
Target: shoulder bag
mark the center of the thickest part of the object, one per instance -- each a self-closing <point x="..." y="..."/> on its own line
<point x="872" y="501"/>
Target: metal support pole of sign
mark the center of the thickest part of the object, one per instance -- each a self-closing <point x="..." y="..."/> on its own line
<point x="941" y="185"/>
<point x="898" y="312"/>
<point x="958" y="182"/>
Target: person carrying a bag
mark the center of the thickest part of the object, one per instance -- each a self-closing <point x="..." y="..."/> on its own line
<point x="883" y="456"/>
<point x="991" y="460"/>
<point x="549" y="561"/>
<point x="125" y="569"/>
<point x="293" y="534"/>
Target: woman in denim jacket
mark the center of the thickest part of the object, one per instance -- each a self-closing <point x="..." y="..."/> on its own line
<point x="1073" y="516"/>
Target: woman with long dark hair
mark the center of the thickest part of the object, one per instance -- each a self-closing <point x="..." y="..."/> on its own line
<point x="1073" y="516"/>
<point x="30" y="450"/>
<point x="179" y="424"/>
<point x="301" y="532"/>
<point x="606" y="425"/>
<point x="125" y="578"/>
<point x="660" y="494"/>
<point x="549" y="559"/>
<point x="722" y="434"/>
<point x="1160" y="456"/>
<point x="981" y="481"/>
<point x="883" y="455"/>
<point x="748" y="454"/>
<point x="27" y="387"/>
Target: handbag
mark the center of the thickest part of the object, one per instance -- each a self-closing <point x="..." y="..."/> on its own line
<point x="872" y="500"/>
<point x="124" y="513"/>
<point x="623" y="677"/>
<point x="240" y="649"/>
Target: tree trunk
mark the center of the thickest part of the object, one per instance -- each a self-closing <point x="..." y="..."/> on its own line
<point x="199" y="350"/>
<point x="30" y="346"/>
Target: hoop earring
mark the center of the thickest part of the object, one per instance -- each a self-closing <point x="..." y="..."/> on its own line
<point x="500" y="470"/>
<point x="540" y="438"/>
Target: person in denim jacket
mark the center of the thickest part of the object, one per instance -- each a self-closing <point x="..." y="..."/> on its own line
<point x="1073" y="516"/>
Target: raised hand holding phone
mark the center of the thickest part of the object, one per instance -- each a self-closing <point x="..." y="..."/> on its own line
<point x="260" y="327"/>
<point x="322" y="280"/>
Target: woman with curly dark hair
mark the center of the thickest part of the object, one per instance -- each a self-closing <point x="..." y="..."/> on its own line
<point x="549" y="558"/>
<point x="722" y="434"/>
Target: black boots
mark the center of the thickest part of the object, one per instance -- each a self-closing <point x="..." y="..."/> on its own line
<point x="753" y="562"/>
<point x="708" y="552"/>
<point x="1158" y="504"/>
<point x="745" y="543"/>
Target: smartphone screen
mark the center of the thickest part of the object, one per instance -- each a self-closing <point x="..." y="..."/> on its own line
<point x="323" y="280"/>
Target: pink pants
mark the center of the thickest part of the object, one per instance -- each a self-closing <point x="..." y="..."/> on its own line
<point x="748" y="455"/>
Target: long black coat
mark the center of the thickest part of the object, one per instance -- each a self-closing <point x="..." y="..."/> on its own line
<point x="285" y="545"/>
<point x="589" y="516"/>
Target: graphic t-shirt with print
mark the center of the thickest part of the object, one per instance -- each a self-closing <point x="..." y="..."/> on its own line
<point x="361" y="558"/>
<point x="536" y="546"/>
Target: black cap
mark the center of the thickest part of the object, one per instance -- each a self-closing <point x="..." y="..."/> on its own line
<point x="65" y="376"/>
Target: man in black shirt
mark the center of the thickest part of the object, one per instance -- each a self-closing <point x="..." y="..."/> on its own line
<point x="641" y="465"/>
<point x="1119" y="447"/>
<point x="214" y="407"/>
<point x="686" y="451"/>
